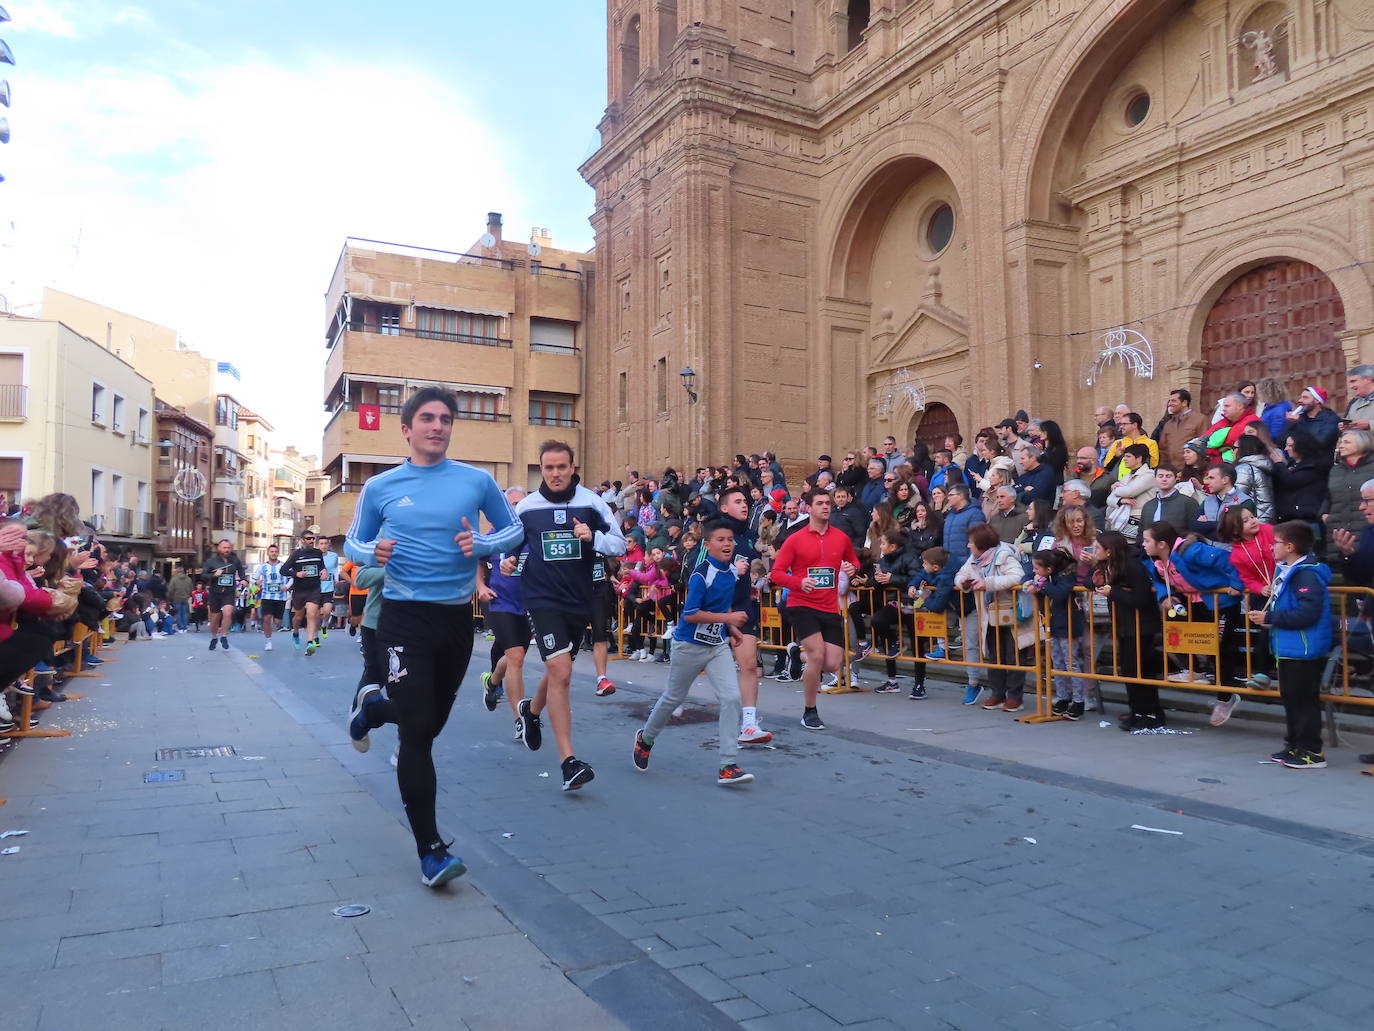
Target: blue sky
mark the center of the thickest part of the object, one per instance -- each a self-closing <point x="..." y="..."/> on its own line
<point x="199" y="164"/>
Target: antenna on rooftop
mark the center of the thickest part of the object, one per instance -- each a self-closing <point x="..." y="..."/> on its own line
<point x="487" y="240"/>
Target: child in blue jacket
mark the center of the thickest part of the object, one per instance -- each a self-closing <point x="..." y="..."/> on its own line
<point x="1199" y="578"/>
<point x="931" y="590"/>
<point x="1299" y="619"/>
<point x="1055" y="578"/>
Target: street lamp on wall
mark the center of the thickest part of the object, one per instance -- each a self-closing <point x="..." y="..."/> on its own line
<point x="689" y="379"/>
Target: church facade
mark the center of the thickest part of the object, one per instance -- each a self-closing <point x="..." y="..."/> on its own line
<point x="854" y="218"/>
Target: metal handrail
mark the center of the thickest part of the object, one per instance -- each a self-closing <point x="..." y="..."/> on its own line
<point x="357" y="326"/>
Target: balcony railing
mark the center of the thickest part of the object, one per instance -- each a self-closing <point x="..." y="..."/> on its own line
<point x="357" y="326"/>
<point x="14" y="401"/>
<point x="463" y="413"/>
<point x="554" y="349"/>
<point x="561" y="273"/>
<point x="549" y="421"/>
<point x="345" y="488"/>
<point x="143" y="524"/>
<point x="123" y="522"/>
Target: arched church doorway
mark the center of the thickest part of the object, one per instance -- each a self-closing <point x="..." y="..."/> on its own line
<point x="933" y="425"/>
<point x="1282" y="320"/>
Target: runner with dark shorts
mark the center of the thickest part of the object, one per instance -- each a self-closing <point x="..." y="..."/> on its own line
<point x="272" y="599"/>
<point x="510" y="629"/>
<point x="809" y="565"/>
<point x="566" y="527"/>
<point x="224" y="572"/>
<point x="303" y="569"/>
<point x="734" y="513"/>
<point x="602" y="610"/>
<point x="357" y="596"/>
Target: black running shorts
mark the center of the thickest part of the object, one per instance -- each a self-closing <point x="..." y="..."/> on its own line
<point x="603" y="605"/>
<point x="301" y="598"/>
<point x="219" y="599"/>
<point x="274" y="607"/>
<point x="557" y="633"/>
<point x="807" y="621"/>
<point x="511" y="630"/>
<point x="356" y="603"/>
<point x="751" y="625"/>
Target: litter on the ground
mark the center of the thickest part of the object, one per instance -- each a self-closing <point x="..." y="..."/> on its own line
<point x="545" y="774"/>
<point x="9" y="851"/>
<point x="1030" y="841"/>
<point x="1104" y="723"/>
<point x="507" y="834"/>
<point x="252" y="758"/>
<point x="12" y="834"/>
<point x="1154" y="830"/>
<point x="1159" y="730"/>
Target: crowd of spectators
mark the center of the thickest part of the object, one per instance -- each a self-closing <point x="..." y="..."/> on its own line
<point x="1185" y="502"/>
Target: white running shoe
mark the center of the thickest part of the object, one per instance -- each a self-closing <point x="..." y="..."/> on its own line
<point x="754" y="736"/>
<point x="830" y="680"/>
<point x="269" y="645"/>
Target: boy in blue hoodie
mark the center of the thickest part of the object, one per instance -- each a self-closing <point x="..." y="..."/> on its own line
<point x="1299" y="618"/>
<point x="711" y="618"/>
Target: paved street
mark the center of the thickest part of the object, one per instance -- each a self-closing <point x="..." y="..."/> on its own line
<point x="918" y="865"/>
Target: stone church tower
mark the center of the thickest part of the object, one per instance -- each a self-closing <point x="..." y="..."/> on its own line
<point x="859" y="217"/>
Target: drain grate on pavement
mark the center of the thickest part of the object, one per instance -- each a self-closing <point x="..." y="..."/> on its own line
<point x="163" y="776"/>
<point x="195" y="752"/>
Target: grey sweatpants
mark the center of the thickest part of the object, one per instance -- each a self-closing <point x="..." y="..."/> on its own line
<point x="688" y="661"/>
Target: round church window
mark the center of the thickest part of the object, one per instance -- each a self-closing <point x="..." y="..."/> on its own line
<point x="940" y="228"/>
<point x="1137" y="109"/>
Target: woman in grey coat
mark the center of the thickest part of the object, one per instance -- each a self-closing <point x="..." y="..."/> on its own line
<point x="1354" y="465"/>
<point x="1254" y="475"/>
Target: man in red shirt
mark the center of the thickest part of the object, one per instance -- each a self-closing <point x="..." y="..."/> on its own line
<point x="809" y="565"/>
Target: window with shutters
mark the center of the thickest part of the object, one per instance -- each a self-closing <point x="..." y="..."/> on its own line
<point x="474" y="405"/>
<point x="553" y="335"/>
<point x="460" y="327"/>
<point x="11" y="481"/>
<point x="551" y="410"/>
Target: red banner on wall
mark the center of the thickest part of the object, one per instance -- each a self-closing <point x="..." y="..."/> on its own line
<point x="369" y="417"/>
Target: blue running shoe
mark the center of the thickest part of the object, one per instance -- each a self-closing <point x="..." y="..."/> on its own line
<point x="440" y="869"/>
<point x="91" y="660"/>
<point x="936" y="654"/>
<point x="971" y="693"/>
<point x="358" y="725"/>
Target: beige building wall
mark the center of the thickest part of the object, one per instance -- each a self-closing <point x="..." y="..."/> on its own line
<point x="87" y="430"/>
<point x="769" y="179"/>
<point x="182" y="377"/>
<point x="255" y="442"/>
<point x="513" y="319"/>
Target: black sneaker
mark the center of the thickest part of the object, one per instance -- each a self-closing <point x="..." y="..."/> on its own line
<point x="811" y="720"/>
<point x="576" y="773"/>
<point x="1074" y="711"/>
<point x="1060" y="706"/>
<point x="531" y="731"/>
<point x="214" y="642"/>
<point x="1139" y="722"/>
<point x="491" y="692"/>
<point x="1281" y="756"/>
<point x="224" y="642"/>
<point x="1304" y="760"/>
<point x="794" y="661"/>
<point x="641" y="752"/>
<point x="918" y="691"/>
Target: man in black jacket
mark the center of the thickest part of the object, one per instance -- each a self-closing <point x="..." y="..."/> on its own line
<point x="850" y="516"/>
<point x="302" y="571"/>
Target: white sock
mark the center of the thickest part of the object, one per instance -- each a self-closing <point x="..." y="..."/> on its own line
<point x="749" y="716"/>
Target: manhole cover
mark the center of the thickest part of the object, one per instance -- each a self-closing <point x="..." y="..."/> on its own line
<point x="354" y="909"/>
<point x="195" y="752"/>
<point x="163" y="776"/>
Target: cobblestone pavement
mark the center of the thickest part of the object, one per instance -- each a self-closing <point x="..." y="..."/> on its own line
<point x="865" y="879"/>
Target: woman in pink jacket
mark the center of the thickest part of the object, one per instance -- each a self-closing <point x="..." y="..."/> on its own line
<point x="655" y="592"/>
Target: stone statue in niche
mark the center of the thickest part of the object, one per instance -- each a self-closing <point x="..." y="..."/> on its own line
<point x="1261" y="43"/>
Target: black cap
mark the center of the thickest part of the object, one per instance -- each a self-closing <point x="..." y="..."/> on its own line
<point x="1021" y="415"/>
<point x="825" y="458"/>
<point x="1006" y="424"/>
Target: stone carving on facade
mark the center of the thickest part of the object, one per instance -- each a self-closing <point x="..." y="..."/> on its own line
<point x="1261" y="44"/>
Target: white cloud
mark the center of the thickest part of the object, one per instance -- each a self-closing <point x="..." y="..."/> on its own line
<point x="216" y="202"/>
<point x="71" y="20"/>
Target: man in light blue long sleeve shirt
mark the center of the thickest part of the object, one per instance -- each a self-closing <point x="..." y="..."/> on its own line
<point x="418" y="522"/>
